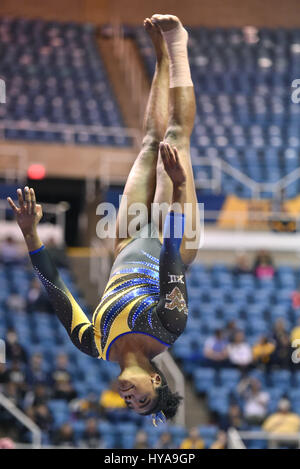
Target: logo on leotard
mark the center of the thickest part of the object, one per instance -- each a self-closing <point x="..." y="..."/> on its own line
<point x="175" y="278"/>
<point x="176" y="300"/>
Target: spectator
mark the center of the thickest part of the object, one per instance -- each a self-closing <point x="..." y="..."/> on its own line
<point x="10" y="252"/>
<point x="16" y="303"/>
<point x="263" y="266"/>
<point x="296" y="298"/>
<point x="11" y="391"/>
<point x="35" y="373"/>
<point x="86" y="407"/>
<point x="193" y="441"/>
<point x="111" y="400"/>
<point x="64" y="436"/>
<point x="65" y="390"/>
<point x="141" y="441"/>
<point x="3" y="375"/>
<point x="220" y="442"/>
<point x="283" y="351"/>
<point x="234" y="418"/>
<point x="165" y="441"/>
<point x="40" y="394"/>
<point x="283" y="421"/>
<point x="43" y="417"/>
<point x="14" y="350"/>
<point x="230" y="331"/>
<point x="242" y="265"/>
<point x="17" y="376"/>
<point x="263" y="350"/>
<point x="295" y="334"/>
<point x="215" y="349"/>
<point x="91" y="437"/>
<point x="61" y="378"/>
<point x="239" y="351"/>
<point x="256" y="400"/>
<point x="37" y="299"/>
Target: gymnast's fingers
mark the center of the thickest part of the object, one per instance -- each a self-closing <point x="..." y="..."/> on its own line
<point x="28" y="200"/>
<point x="20" y="198"/>
<point x="13" y="206"/>
<point x="33" y="201"/>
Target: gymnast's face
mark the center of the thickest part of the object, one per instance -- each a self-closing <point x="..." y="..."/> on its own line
<point x="138" y="390"/>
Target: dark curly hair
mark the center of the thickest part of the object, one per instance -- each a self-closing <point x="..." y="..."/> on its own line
<point x="167" y="401"/>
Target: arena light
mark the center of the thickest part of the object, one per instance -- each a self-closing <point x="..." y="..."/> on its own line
<point x="36" y="171"/>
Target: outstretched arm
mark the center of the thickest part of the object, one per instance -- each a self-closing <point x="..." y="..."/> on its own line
<point x="172" y="306"/>
<point x="76" y="323"/>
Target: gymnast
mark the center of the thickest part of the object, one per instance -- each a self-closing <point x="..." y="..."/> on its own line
<point x="144" y="307"/>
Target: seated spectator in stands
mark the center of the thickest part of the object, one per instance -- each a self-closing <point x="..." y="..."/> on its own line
<point x="262" y="351"/>
<point x="193" y="441"/>
<point x="283" y="350"/>
<point x="242" y="265"/>
<point x="91" y="437"/>
<point x="234" y="418"/>
<point x="3" y="375"/>
<point x="296" y="298"/>
<point x="295" y="333"/>
<point x="110" y="399"/>
<point x="64" y="390"/>
<point x="165" y="441"/>
<point x="43" y="417"/>
<point x="86" y="407"/>
<point x="37" y="299"/>
<point x="15" y="303"/>
<point x="64" y="436"/>
<point x="58" y="253"/>
<point x="11" y="391"/>
<point x="61" y="379"/>
<point x="239" y="351"/>
<point x="283" y="421"/>
<point x="230" y="331"/>
<point x="17" y="376"/>
<point x="263" y="266"/>
<point x="141" y="440"/>
<point x="36" y="373"/>
<point x="10" y="252"/>
<point x="215" y="349"/>
<point x="256" y="400"/>
<point x="40" y="394"/>
<point x="14" y="350"/>
<point x="221" y="441"/>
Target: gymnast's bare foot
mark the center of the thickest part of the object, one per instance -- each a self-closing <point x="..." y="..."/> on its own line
<point x="157" y="39"/>
<point x="166" y="22"/>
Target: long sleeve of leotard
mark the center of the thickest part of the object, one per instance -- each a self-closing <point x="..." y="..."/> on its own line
<point x="76" y="323"/>
<point x="172" y="306"/>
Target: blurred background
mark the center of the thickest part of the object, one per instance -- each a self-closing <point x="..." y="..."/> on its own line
<point x="77" y="76"/>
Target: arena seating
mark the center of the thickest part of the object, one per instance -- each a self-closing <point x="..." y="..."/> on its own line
<point x="54" y="75"/>
<point x="245" y="114"/>
<point x="216" y="296"/>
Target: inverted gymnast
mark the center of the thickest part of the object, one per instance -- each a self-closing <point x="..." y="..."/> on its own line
<point x="144" y="307"/>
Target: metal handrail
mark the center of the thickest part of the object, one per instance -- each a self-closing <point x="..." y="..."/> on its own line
<point x="218" y="165"/>
<point x="272" y="438"/>
<point x="23" y="419"/>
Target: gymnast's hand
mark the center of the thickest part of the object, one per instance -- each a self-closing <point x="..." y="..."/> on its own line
<point x="29" y="213"/>
<point x="172" y="164"/>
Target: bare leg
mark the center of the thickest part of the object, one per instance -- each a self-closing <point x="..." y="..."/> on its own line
<point x="141" y="182"/>
<point x="180" y="126"/>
